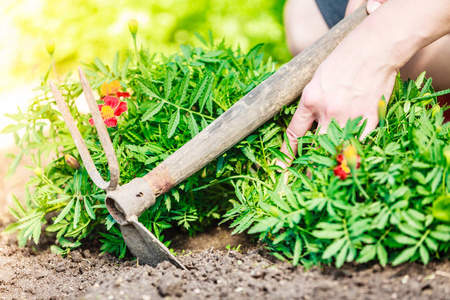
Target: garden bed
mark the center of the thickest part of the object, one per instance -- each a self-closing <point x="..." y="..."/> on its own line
<point x="215" y="273"/>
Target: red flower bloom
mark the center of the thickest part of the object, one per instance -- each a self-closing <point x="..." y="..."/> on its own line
<point x="111" y="110"/>
<point x="123" y="94"/>
<point x="339" y="171"/>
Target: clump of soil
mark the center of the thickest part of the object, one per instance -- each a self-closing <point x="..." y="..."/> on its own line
<point x="36" y="273"/>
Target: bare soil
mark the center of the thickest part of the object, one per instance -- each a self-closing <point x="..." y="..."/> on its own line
<point x="214" y="272"/>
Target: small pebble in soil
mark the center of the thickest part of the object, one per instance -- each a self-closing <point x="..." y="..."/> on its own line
<point x="118" y="281"/>
<point x="405" y="279"/>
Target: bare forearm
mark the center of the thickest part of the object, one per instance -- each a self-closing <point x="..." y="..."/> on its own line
<point x="400" y="28"/>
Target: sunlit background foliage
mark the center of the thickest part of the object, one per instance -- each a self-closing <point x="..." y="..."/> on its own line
<point x="84" y="29"/>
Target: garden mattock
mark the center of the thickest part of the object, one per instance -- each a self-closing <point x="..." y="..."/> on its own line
<point x="126" y="203"/>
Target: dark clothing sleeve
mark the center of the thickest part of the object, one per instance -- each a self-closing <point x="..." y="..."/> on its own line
<point x="332" y="10"/>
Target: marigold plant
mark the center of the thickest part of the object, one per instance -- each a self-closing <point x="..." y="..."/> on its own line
<point x="383" y="198"/>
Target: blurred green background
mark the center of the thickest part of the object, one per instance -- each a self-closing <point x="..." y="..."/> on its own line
<point x="84" y="29"/>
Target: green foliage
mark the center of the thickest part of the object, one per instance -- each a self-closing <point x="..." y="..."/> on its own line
<point x="172" y="99"/>
<point x="392" y="209"/>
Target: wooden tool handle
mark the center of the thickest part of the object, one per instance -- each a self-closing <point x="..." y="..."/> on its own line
<point x="253" y="110"/>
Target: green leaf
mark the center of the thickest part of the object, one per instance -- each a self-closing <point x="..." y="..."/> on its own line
<point x="403" y="239"/>
<point x="168" y="84"/>
<point x="382" y="255"/>
<point x="248" y="152"/>
<point x="327" y="234"/>
<point x="13" y="227"/>
<point x="76" y="216"/>
<point x="185" y="86"/>
<point x="152" y="111"/>
<point x="186" y="50"/>
<point x="412" y="223"/>
<point x="199" y="90"/>
<point x="408" y="230"/>
<point x="333" y="248"/>
<point x="57" y="250"/>
<point x="89" y="209"/>
<point x="419" y="80"/>
<point x="340" y="258"/>
<point x="263" y="225"/>
<point x="431" y="244"/>
<point x="64" y="212"/>
<point x="102" y="68"/>
<point x="404" y="256"/>
<point x="173" y="123"/>
<point x="12" y="168"/>
<point x="297" y="250"/>
<point x="147" y="91"/>
<point x="124" y="72"/>
<point x="201" y="38"/>
<point x="367" y="253"/>
<point x="281" y="237"/>
<point x="18" y="205"/>
<point x="326" y="144"/>
<point x="36" y="232"/>
<point x="440" y="236"/>
<point x="193" y="127"/>
<point x="424" y="255"/>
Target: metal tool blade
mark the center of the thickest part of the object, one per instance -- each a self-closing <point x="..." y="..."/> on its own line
<point x="144" y="245"/>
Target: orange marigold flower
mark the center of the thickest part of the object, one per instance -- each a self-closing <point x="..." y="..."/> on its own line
<point x="350" y="155"/>
<point x="113" y="89"/>
<point x="112" y="108"/>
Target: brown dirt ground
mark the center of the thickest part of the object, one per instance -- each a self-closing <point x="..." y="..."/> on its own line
<point x="214" y="272"/>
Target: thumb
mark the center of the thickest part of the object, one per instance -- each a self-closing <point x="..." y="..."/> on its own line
<point x="301" y="122"/>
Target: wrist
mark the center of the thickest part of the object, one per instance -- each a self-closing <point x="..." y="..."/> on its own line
<point x="400" y="28"/>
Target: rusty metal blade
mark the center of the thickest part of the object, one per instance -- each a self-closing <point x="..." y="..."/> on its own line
<point x="145" y="246"/>
<point x="81" y="146"/>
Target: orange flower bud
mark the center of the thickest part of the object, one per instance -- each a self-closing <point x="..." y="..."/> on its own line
<point x="72" y="162"/>
<point x="350" y="156"/>
<point x="381" y="110"/>
<point x="133" y="26"/>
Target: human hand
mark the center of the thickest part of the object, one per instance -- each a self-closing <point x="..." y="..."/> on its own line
<point x="348" y="84"/>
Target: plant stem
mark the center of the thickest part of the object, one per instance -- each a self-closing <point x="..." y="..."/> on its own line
<point x="54" y="68"/>
<point x="138" y="60"/>
<point x="188" y="110"/>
